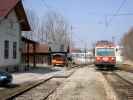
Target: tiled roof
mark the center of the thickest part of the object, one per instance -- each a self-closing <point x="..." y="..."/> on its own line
<point x="42" y="48"/>
<point x="6" y="6"/>
<point x="75" y="50"/>
<point x="39" y="48"/>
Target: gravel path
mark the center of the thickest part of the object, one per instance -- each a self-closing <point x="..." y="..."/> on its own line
<point x="84" y="84"/>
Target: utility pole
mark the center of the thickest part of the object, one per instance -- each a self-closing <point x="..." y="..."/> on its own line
<point x="71" y="37"/>
<point x="85" y="51"/>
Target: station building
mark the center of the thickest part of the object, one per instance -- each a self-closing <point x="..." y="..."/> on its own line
<point x="34" y="54"/>
<point x="13" y="20"/>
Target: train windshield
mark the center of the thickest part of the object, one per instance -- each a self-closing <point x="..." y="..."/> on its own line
<point x="105" y="52"/>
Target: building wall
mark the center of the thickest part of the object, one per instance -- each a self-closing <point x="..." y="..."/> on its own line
<point x="9" y="30"/>
<point x="39" y="58"/>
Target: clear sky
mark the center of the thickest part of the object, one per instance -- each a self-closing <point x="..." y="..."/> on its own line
<point x="89" y="17"/>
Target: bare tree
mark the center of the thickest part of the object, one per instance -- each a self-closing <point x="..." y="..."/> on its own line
<point x="51" y="28"/>
<point x="34" y="23"/>
<point x="55" y="31"/>
<point x="127" y="42"/>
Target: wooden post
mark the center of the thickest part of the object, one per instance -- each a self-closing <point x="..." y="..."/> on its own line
<point x="34" y="54"/>
<point x="50" y="51"/>
<point x="28" y="55"/>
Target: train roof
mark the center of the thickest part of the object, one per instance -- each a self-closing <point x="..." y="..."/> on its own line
<point x="105" y="44"/>
<point x="59" y="54"/>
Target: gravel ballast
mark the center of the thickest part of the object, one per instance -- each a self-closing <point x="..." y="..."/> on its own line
<point x="84" y="84"/>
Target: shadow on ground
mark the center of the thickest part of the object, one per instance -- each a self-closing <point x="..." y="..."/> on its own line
<point x="40" y="70"/>
<point x="107" y="68"/>
<point x="9" y="86"/>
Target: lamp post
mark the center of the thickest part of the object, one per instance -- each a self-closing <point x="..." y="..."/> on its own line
<point x="50" y="50"/>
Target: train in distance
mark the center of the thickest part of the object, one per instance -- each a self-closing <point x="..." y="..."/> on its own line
<point x="105" y="53"/>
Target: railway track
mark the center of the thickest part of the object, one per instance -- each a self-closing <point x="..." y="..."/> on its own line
<point x="35" y="91"/>
<point x="122" y="87"/>
<point x="27" y="91"/>
<point x="40" y="92"/>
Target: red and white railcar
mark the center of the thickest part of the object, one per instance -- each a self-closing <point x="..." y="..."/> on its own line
<point x="105" y="53"/>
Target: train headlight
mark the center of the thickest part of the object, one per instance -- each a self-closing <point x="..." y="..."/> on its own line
<point x="113" y="58"/>
<point x="97" y="58"/>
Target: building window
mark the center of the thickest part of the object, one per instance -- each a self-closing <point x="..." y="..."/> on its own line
<point x="14" y="50"/>
<point x="6" y="49"/>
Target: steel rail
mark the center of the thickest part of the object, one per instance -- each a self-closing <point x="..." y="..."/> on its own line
<point x="26" y="89"/>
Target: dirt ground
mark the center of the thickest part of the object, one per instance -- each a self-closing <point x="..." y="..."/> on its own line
<point x="84" y="84"/>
